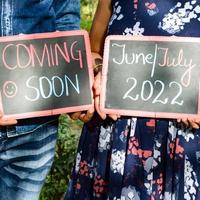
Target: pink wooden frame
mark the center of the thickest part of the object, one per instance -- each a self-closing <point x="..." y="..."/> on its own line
<point x="90" y="72"/>
<point x="141" y="113"/>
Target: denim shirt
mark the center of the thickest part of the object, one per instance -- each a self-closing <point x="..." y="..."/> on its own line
<point x="37" y="16"/>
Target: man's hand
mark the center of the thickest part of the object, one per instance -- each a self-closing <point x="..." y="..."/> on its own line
<point x="190" y="123"/>
<point x="83" y="116"/>
<point x="6" y="122"/>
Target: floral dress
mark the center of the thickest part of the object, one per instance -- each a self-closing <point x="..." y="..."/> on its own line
<point x="141" y="158"/>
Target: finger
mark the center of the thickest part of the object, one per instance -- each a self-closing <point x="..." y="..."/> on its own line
<point x="82" y="117"/>
<point x="97" y="107"/>
<point x="185" y="122"/>
<point x="88" y="116"/>
<point x="118" y="116"/>
<point x="97" y="84"/>
<point x="114" y="117"/>
<point x="75" y="115"/>
<point x="7" y="122"/>
<point x="197" y="121"/>
<point x="193" y="124"/>
<point x="90" y="113"/>
<point x="178" y="120"/>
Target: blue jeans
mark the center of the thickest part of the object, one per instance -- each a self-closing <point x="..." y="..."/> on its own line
<point x="26" y="156"/>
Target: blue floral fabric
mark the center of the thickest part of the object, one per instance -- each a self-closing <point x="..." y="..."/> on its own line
<point x="141" y="158"/>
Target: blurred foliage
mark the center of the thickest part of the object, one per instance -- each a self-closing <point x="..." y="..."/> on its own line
<point x="68" y="133"/>
<point x="68" y="136"/>
<point x="88" y="8"/>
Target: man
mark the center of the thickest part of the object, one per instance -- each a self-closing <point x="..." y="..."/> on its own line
<point x="27" y="146"/>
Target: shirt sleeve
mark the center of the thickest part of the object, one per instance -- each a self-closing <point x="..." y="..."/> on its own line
<point x="67" y="14"/>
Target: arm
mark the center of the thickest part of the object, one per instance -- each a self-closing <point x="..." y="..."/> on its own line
<point x="97" y="37"/>
<point x="100" y="26"/>
<point x="67" y="14"/>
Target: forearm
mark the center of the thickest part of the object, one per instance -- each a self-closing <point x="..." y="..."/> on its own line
<point x="99" y="26"/>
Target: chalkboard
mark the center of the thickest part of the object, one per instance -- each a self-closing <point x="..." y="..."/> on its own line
<point x="151" y="76"/>
<point x="45" y="74"/>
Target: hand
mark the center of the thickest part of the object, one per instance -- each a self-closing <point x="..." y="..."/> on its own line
<point x="97" y="90"/>
<point x="83" y="116"/>
<point x="189" y="122"/>
<point x="6" y="122"/>
<point x="97" y="63"/>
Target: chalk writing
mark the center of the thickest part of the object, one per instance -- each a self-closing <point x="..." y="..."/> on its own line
<point x="45" y="92"/>
<point x="152" y="75"/>
<point x="131" y="58"/>
<point x="50" y="54"/>
<point x="44" y="72"/>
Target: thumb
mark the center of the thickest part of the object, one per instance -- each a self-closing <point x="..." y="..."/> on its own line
<point x="7" y="122"/>
<point x="97" y="107"/>
<point x="97" y="84"/>
<point x="1" y="114"/>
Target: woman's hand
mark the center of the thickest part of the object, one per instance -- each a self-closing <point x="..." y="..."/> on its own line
<point x="189" y="122"/>
<point x="86" y="116"/>
<point x="6" y="122"/>
<point x="97" y="91"/>
<point x="97" y="63"/>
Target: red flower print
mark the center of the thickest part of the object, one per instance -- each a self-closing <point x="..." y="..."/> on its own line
<point x="135" y="150"/>
<point x="178" y="149"/>
<point x="151" y="123"/>
<point x="99" y="186"/>
<point x="150" y="6"/>
<point x="84" y="168"/>
<point x="135" y="3"/>
<point x="159" y="183"/>
<point x="78" y="186"/>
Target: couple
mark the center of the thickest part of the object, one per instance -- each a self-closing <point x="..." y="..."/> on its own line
<point x="118" y="158"/>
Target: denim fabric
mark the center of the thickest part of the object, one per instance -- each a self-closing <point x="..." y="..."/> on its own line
<point x="36" y="16"/>
<point x="25" y="160"/>
<point x="27" y="149"/>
